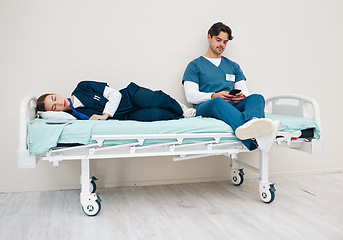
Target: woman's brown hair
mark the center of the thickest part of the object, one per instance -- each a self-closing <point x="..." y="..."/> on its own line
<point x="40" y="102"/>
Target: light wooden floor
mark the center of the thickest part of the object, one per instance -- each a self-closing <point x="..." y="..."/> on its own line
<point x="306" y="207"/>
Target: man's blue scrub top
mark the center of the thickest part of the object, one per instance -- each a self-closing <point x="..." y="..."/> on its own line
<point x="211" y="78"/>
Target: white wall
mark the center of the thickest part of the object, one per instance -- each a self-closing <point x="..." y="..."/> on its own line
<point x="282" y="46"/>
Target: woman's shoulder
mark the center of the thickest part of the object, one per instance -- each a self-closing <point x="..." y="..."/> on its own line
<point x="90" y="86"/>
<point x="90" y="82"/>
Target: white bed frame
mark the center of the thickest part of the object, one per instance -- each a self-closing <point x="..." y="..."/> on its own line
<point x="293" y="105"/>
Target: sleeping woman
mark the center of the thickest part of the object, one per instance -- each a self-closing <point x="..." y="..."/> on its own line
<point x="97" y="101"/>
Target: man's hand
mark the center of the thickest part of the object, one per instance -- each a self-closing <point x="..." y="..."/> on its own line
<point x="238" y="97"/>
<point x="99" y="117"/>
<point x="227" y="97"/>
<point x="223" y="94"/>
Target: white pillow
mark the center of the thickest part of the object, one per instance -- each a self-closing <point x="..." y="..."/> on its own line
<point x="55" y="115"/>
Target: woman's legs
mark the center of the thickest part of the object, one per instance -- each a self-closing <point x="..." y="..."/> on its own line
<point x="145" y="98"/>
<point x="152" y="114"/>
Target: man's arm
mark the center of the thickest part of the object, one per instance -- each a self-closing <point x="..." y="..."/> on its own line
<point x="242" y="85"/>
<point x="193" y="95"/>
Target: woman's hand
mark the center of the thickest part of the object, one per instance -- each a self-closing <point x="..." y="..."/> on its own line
<point x="104" y="116"/>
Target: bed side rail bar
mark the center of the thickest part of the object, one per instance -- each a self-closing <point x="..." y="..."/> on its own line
<point x="179" y="137"/>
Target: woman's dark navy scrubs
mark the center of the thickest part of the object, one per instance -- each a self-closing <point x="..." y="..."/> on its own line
<point x="137" y="103"/>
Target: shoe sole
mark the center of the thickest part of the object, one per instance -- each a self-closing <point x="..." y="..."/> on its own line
<point x="255" y="130"/>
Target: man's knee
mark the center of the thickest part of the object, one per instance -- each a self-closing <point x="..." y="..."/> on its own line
<point x="218" y="102"/>
<point x="212" y="108"/>
<point x="257" y="98"/>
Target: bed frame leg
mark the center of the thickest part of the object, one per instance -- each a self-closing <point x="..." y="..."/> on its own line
<point x="264" y="167"/>
<point x="85" y="185"/>
<point x="90" y="201"/>
<point x="267" y="189"/>
<point x="237" y="174"/>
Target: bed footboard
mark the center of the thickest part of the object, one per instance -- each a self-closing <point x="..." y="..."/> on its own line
<point x="27" y="113"/>
<point x="298" y="106"/>
<point x="294" y="105"/>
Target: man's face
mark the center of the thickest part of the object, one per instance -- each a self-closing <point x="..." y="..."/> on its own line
<point x="218" y="43"/>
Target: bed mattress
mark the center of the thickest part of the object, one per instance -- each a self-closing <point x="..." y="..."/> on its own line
<point x="44" y="134"/>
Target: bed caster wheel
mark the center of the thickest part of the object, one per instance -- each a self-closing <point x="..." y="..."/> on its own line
<point x="92" y="209"/>
<point x="92" y="206"/>
<point x="92" y="187"/>
<point x="267" y="192"/>
<point x="237" y="176"/>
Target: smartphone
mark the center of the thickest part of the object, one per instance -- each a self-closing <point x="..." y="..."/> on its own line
<point x="234" y="91"/>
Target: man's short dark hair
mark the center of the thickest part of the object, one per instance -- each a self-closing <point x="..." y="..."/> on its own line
<point x="220" y="27"/>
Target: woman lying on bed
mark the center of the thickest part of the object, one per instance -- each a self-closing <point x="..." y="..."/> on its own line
<point x="97" y="101"/>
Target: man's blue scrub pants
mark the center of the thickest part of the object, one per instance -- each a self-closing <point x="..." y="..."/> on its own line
<point x="234" y="114"/>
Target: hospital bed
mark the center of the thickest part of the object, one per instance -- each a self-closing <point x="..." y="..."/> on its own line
<point x="57" y="140"/>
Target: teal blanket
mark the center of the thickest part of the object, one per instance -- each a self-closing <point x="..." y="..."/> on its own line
<point x="44" y="134"/>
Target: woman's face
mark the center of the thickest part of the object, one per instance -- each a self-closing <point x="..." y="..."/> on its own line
<point x="54" y="102"/>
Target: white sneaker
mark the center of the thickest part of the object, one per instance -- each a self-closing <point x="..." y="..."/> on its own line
<point x="255" y="128"/>
<point x="187" y="112"/>
<point x="265" y="143"/>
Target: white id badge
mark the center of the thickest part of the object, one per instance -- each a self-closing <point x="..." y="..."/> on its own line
<point x="230" y="77"/>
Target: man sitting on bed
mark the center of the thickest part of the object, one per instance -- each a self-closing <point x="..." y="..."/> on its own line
<point x="97" y="101"/>
<point x="208" y="83"/>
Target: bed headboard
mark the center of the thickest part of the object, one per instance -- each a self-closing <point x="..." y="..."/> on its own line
<point x="27" y="112"/>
